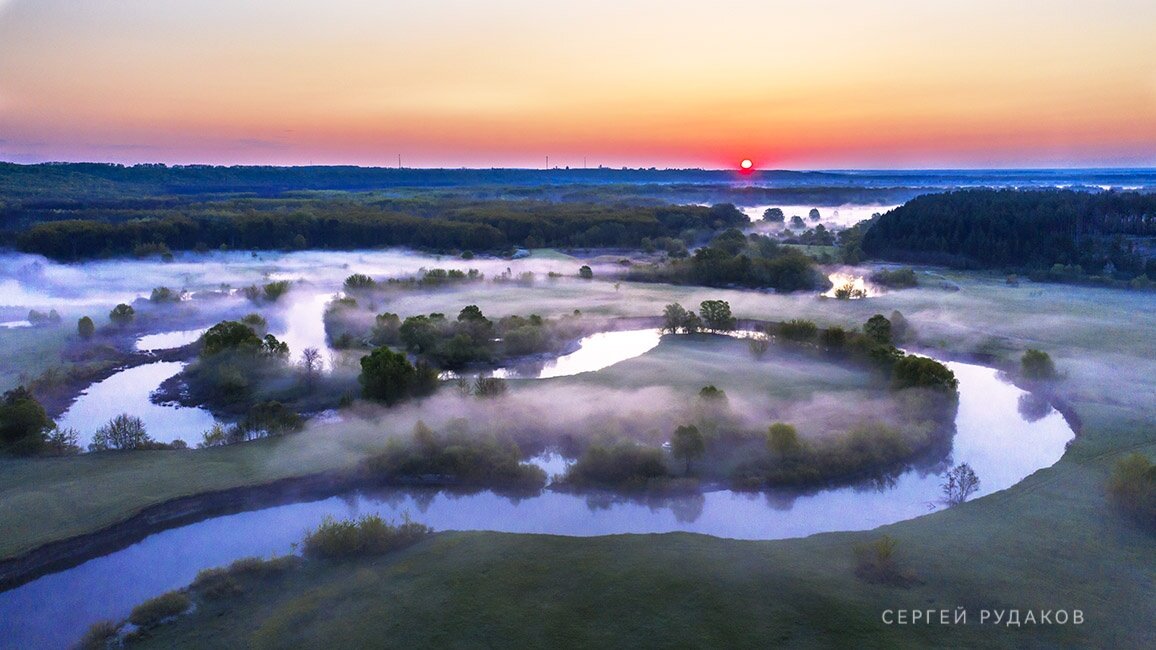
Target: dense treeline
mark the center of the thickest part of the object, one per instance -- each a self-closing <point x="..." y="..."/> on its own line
<point x="1012" y="229"/>
<point x="735" y="259"/>
<point x="345" y="223"/>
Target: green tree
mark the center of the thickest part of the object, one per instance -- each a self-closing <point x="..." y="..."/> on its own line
<point x="716" y="315"/>
<point x="122" y="314"/>
<point x="85" y="327"/>
<point x="271" y="347"/>
<point x="164" y="294"/>
<point x="782" y="439"/>
<point x="798" y="330"/>
<point x="586" y="273"/>
<point x="674" y="318"/>
<point x="922" y="372"/>
<point x="774" y="215"/>
<point x="878" y="329"/>
<point x="419" y="334"/>
<point x="387" y="376"/>
<point x="122" y="432"/>
<point x="833" y="338"/>
<point x="228" y="335"/>
<point x="687" y="443"/>
<point x="359" y="282"/>
<point x="814" y="214"/>
<point x="274" y="290"/>
<point x="23" y="422"/>
<point x="1037" y="365"/>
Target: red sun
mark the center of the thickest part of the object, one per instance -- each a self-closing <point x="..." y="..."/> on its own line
<point x="746" y="164"/>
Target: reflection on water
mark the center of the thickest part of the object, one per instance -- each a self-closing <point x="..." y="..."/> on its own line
<point x="128" y="392"/>
<point x="168" y="340"/>
<point x="13" y="324"/>
<point x="595" y="352"/>
<point x="304" y="325"/>
<point x="598" y="351"/>
<point x="1001" y="447"/>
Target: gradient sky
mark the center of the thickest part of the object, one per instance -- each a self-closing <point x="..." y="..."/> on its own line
<point x="680" y="83"/>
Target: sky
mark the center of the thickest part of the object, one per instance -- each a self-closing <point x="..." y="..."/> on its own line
<point x="640" y="83"/>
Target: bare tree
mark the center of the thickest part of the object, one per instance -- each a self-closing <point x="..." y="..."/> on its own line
<point x="961" y="483"/>
<point x="311" y="365"/>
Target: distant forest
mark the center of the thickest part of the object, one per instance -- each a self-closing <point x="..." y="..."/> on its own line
<point x="1100" y="233"/>
<point x="343" y="223"/>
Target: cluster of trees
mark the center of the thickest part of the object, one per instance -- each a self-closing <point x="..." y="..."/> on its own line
<point x="37" y="317"/>
<point x="470" y="339"/>
<point x="895" y="278"/>
<point x="389" y="377"/>
<point x="26" y="430"/>
<point x="263" y="420"/>
<point x="735" y="259"/>
<point x="455" y="457"/>
<point x="1027" y="230"/>
<point x="715" y="317"/>
<point x="623" y="465"/>
<point x="438" y="223"/>
<point x="234" y="363"/>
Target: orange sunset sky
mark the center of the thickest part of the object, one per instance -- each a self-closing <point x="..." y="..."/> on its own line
<point x="667" y="83"/>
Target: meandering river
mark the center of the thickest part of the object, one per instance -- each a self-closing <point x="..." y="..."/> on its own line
<point x="1001" y="445"/>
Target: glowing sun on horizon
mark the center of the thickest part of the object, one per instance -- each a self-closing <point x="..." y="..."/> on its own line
<point x="746" y="164"/>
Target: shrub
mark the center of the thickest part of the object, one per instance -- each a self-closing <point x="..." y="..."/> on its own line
<point x="100" y="635"/>
<point x="370" y="535"/>
<point x="585" y="272"/>
<point x="153" y="612"/>
<point x="1132" y="487"/>
<point x="255" y="322"/>
<point x="455" y="458"/>
<point x="274" y="290"/>
<point x="798" y="330"/>
<point x="216" y="583"/>
<point x="625" y="465"/>
<point x="876" y="563"/>
<point x="272" y="419"/>
<point x="490" y="387"/>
